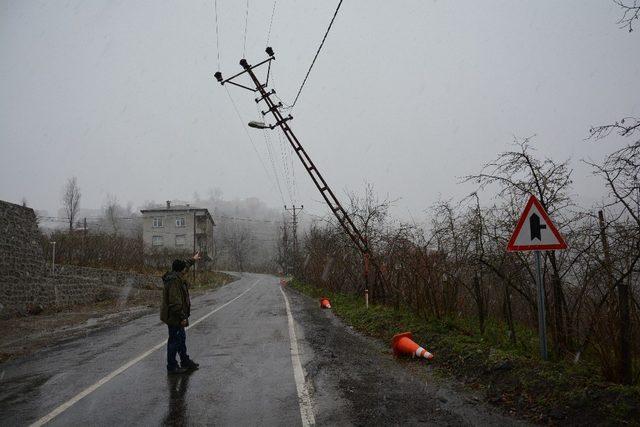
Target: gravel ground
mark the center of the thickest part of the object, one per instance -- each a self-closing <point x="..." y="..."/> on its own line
<point x="357" y="381"/>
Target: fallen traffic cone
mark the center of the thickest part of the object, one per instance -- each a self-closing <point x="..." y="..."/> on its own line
<point x="325" y="303"/>
<point x="403" y="344"/>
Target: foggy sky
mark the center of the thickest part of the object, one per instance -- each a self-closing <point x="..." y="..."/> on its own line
<point x="409" y="96"/>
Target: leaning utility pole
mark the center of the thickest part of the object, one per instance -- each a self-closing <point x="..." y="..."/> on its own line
<point x="280" y="121"/>
<point x="294" y="226"/>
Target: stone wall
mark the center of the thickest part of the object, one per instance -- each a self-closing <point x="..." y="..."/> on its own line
<point x="22" y="263"/>
<point x="111" y="277"/>
<point x="25" y="282"/>
<point x="21" y="255"/>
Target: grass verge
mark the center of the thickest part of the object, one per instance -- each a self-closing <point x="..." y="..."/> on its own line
<point x="511" y="376"/>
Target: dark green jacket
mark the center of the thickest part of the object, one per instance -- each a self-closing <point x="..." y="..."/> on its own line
<point x="176" y="305"/>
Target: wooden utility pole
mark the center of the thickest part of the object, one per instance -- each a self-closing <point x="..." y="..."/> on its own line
<point x="624" y="321"/>
<point x="273" y="108"/>
<point x="294" y="225"/>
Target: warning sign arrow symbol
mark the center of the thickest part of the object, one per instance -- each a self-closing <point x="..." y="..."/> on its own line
<point x="536" y="227"/>
<point x="543" y="234"/>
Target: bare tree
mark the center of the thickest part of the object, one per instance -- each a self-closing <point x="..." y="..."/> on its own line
<point x="630" y="13"/>
<point x="71" y="200"/>
<point x="112" y="213"/>
<point x="239" y="243"/>
<point x="370" y="214"/>
<point x="620" y="171"/>
<point x="519" y="173"/>
<point x="459" y="266"/>
<point x="283" y="249"/>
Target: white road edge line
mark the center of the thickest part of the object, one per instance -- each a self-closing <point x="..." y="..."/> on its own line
<point x="69" y="403"/>
<point x="306" y="410"/>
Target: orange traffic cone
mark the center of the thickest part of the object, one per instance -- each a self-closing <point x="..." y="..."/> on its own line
<point x="325" y="303"/>
<point x="403" y="344"/>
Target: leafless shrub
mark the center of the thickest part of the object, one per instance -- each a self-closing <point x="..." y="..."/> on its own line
<point x="71" y="200"/>
<point x="458" y="265"/>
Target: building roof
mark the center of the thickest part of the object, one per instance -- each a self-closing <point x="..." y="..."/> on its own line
<point x="179" y="208"/>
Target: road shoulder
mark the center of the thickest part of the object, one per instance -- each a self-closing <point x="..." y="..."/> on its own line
<point x="356" y="380"/>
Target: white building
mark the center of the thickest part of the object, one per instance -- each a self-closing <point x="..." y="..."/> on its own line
<point x="180" y="229"/>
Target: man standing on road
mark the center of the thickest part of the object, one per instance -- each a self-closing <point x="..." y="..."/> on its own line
<point x="175" y="311"/>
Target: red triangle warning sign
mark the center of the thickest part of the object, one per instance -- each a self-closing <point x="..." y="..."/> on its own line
<point x="535" y="231"/>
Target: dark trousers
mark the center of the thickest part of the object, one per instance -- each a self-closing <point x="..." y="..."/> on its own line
<point x="176" y="344"/>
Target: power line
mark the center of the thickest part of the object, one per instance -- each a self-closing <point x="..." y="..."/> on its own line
<point x="273" y="165"/>
<point x="215" y="8"/>
<point x="273" y="11"/>
<point x="231" y="239"/>
<point x="270" y="144"/>
<point x="242" y="123"/>
<point x="59" y="218"/>
<point x="289" y="166"/>
<point x="248" y="219"/>
<point x="98" y="218"/>
<point x="293" y="170"/>
<point x="285" y="167"/>
<point x="246" y="22"/>
<point x="316" y="56"/>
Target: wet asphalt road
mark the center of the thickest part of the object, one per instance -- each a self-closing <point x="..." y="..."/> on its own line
<point x="246" y="374"/>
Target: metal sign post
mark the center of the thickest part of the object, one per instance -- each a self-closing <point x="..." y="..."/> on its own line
<point x="540" y="235"/>
<point x="542" y="324"/>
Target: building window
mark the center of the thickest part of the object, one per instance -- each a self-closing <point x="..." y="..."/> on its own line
<point x="180" y="222"/>
<point x="157" y="222"/>
<point x="157" y="241"/>
<point x="180" y="240"/>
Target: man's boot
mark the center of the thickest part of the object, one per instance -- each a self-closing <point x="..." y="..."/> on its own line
<point x="190" y="365"/>
<point x="176" y="370"/>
